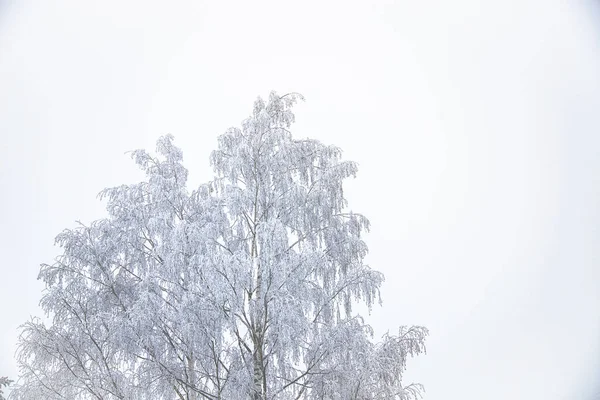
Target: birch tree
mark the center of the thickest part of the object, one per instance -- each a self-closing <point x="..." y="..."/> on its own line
<point x="241" y="288"/>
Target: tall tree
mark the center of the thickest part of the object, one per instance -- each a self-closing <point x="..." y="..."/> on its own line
<point x="242" y="288"/>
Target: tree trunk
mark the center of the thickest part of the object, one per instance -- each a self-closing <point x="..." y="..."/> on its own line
<point x="257" y="337"/>
<point x="192" y="395"/>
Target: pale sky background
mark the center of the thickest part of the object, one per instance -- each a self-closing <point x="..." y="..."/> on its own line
<point x="475" y="123"/>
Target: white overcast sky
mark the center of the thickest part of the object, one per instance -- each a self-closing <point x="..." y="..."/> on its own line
<point x="475" y="123"/>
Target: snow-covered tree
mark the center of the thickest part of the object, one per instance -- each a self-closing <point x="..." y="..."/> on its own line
<point x="241" y="288"/>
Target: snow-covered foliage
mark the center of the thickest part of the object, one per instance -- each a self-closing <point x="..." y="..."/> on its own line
<point x="4" y="381"/>
<point x="242" y="288"/>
